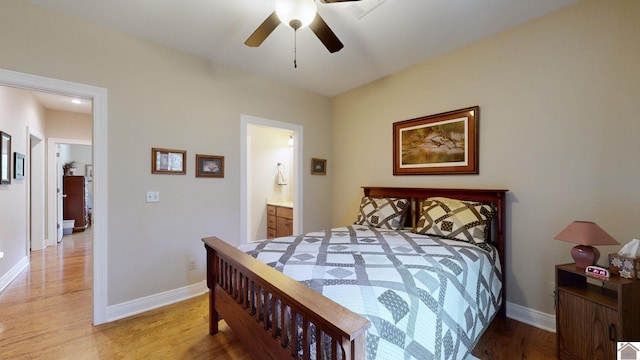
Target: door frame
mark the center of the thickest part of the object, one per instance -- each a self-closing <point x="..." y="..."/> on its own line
<point x="245" y="191"/>
<point x="36" y="193"/>
<point x="100" y="234"/>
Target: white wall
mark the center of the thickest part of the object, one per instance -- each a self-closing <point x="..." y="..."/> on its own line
<point x="18" y="111"/>
<point x="80" y="154"/>
<point x="559" y="127"/>
<point x="159" y="97"/>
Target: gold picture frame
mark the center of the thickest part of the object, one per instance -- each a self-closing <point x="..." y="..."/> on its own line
<point x="168" y="161"/>
<point x="445" y="143"/>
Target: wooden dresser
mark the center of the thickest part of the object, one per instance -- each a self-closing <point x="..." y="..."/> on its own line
<point x="74" y="205"/>
<point x="279" y="221"/>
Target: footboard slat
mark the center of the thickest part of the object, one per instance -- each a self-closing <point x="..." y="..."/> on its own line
<point x="276" y="316"/>
<point x="306" y="340"/>
<point x="293" y="340"/>
<point x="319" y="349"/>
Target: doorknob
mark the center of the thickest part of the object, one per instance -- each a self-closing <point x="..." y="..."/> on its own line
<point x="64" y="195"/>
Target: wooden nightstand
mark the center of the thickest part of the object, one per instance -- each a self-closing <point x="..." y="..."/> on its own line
<point x="592" y="316"/>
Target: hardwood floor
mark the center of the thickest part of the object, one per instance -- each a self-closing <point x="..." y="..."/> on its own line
<point x="45" y="313"/>
<point x="507" y="339"/>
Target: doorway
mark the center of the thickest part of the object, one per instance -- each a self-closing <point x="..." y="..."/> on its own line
<point x="36" y="219"/>
<point x="99" y="141"/>
<point x="247" y="220"/>
<point x="54" y="184"/>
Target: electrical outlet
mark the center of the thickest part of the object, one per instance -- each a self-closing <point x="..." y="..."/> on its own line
<point x="1" y="254"/>
<point x="552" y="289"/>
<point x="192" y="264"/>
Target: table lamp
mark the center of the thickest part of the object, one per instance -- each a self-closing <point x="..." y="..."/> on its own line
<point x="585" y="234"/>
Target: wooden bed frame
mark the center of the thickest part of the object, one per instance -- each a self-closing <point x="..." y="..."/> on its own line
<point x="258" y="302"/>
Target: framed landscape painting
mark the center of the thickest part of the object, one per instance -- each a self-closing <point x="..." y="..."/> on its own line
<point x="444" y="143"/>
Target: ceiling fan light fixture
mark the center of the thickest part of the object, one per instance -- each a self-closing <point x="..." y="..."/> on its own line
<point x="296" y="14"/>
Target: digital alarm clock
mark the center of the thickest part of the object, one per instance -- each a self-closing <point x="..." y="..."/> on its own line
<point x="597" y="271"/>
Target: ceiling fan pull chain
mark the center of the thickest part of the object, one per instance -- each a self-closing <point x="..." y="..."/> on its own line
<point x="295" y="48"/>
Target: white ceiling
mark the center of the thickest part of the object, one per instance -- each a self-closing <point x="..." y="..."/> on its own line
<point x="63" y="103"/>
<point x="394" y="36"/>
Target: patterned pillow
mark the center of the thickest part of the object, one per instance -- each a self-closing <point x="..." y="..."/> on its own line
<point x="455" y="219"/>
<point x="386" y="213"/>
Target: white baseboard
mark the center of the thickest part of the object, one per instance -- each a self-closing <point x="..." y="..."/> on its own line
<point x="531" y="317"/>
<point x="13" y="273"/>
<point x="516" y="312"/>
<point x="137" y="306"/>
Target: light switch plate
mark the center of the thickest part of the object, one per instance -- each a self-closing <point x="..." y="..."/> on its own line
<point x="153" y="196"/>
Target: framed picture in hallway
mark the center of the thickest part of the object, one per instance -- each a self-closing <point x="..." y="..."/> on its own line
<point x="209" y="166"/>
<point x="168" y="161"/>
<point x="5" y="158"/>
<point x="18" y="166"/>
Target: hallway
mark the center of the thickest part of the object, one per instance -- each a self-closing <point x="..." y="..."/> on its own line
<point x="45" y="313"/>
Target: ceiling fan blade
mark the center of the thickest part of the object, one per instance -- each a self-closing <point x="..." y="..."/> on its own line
<point x="325" y="34"/>
<point x="335" y="1"/>
<point x="261" y="33"/>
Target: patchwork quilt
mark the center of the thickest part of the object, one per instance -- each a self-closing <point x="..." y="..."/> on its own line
<point x="426" y="297"/>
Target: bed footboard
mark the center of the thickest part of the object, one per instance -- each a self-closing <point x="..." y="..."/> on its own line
<point x="275" y="316"/>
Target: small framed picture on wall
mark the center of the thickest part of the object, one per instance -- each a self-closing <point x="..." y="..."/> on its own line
<point x="5" y="158"/>
<point x="167" y="161"/>
<point x="209" y="166"/>
<point x="18" y="166"/>
<point x="318" y="166"/>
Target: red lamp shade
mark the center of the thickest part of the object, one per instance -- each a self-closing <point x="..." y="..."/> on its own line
<point x="585" y="234"/>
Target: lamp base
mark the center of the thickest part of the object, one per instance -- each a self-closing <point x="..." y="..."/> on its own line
<point x="585" y="255"/>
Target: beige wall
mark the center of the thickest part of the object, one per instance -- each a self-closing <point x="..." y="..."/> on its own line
<point x="559" y="127"/>
<point x="20" y="114"/>
<point x="158" y="97"/>
<point x="68" y="125"/>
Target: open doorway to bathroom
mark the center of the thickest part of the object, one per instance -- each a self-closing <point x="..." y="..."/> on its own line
<point x="270" y="173"/>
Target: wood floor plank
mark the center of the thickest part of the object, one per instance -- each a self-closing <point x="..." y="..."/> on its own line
<point x="46" y="313"/>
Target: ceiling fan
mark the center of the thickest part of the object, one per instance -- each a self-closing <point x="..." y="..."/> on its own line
<point x="297" y="14"/>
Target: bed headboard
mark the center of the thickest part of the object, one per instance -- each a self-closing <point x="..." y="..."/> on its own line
<point x="493" y="196"/>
